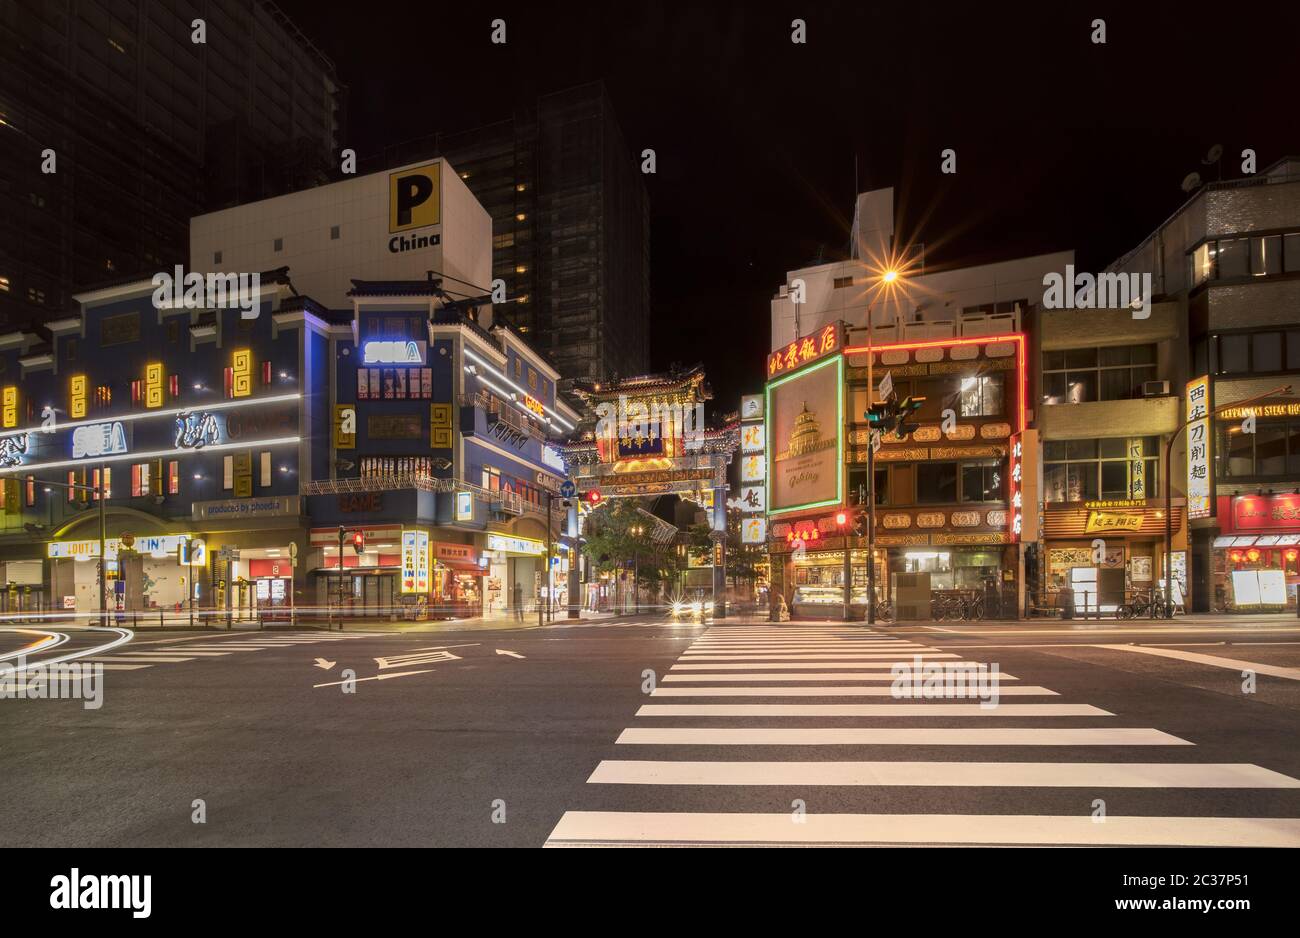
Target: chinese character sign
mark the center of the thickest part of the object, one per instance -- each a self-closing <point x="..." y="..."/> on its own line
<point x="753" y="530"/>
<point x="1200" y="475"/>
<point x="825" y="341"/>
<point x="415" y="562"/>
<point x="1015" y="488"/>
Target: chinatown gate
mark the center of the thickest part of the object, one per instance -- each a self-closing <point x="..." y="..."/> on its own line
<point x="648" y="438"/>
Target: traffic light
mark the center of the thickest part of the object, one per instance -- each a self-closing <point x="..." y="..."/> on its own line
<point x="860" y="522"/>
<point x="358" y="542"/>
<point x="593" y="498"/>
<point x="907" y="408"/>
<point x="841" y="519"/>
<point x="878" y="415"/>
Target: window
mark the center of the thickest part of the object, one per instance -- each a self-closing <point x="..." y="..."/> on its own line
<point x="173" y="477"/>
<point x="140" y="479"/>
<point x="228" y="472"/>
<point x="1083" y="470"/>
<point x="841" y="282"/>
<point x="858" y="486"/>
<point x="1255" y="256"/>
<point x="936" y="483"/>
<point x="981" y="396"/>
<point x="70" y="349"/>
<point x="1241" y="353"/>
<point x="108" y="483"/>
<point x="1116" y="373"/>
<point x="72" y="480"/>
<point x="30" y="494"/>
<point x="491" y="478"/>
<point x="278" y="245"/>
<point x="334" y="232"/>
<point x="1291" y="253"/>
<point x="1233" y="258"/>
<point x="216" y="257"/>
<point x="1272" y="451"/>
<point x="981" y="482"/>
<point x="1266" y="255"/>
<point x="265" y="460"/>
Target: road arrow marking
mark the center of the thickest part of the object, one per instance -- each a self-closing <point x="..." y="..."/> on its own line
<point x="378" y="677"/>
<point x="512" y="654"/>
<point x="326" y="665"/>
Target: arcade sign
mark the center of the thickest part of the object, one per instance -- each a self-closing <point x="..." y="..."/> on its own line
<point x="400" y="352"/>
<point x="98" y="439"/>
<point x="515" y="545"/>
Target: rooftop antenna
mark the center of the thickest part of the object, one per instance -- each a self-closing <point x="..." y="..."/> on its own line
<point x="1214" y="156"/>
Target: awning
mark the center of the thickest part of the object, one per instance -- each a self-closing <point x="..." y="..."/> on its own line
<point x="1082" y="520"/>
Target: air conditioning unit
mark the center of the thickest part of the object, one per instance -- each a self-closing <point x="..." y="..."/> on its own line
<point x="1155" y="388"/>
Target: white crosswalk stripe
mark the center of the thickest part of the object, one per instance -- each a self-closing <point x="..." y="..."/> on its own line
<point x="807" y="675"/>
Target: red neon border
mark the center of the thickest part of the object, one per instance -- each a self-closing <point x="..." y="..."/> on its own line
<point x="1017" y="337"/>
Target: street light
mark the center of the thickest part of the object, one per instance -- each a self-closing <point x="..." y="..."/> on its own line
<point x="636" y="531"/>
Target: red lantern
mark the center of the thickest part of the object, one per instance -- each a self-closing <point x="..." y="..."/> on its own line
<point x="1252" y="555"/>
<point x="1236" y="556"/>
<point x="1291" y="555"/>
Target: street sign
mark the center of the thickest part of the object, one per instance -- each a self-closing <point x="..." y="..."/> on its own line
<point x="886" y="385"/>
<point x="568" y="489"/>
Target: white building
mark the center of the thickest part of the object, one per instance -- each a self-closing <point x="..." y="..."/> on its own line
<point x="986" y="299"/>
<point x="394" y="225"/>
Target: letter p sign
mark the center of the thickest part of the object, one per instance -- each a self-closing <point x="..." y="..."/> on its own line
<point x="413" y="197"/>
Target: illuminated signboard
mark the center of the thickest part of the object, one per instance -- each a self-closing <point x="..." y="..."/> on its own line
<point x="534" y="405"/>
<point x="802" y="351"/>
<point x="153" y="384"/>
<point x="98" y="439"/>
<point x="1288" y="409"/>
<point x="13" y="450"/>
<point x="805" y="446"/>
<point x="1015" y="488"/>
<point x="515" y="545"/>
<point x="77" y="397"/>
<point x="751" y="437"/>
<point x="753" y="530"/>
<point x="241" y="373"/>
<point x="401" y="352"/>
<point x="464" y="506"/>
<point x="1200" y="475"/>
<point x="752" y="499"/>
<point x="415" y="561"/>
<point x="160" y="545"/>
<point x="9" y="406"/>
<point x="197" y="430"/>
<point x="1099" y="522"/>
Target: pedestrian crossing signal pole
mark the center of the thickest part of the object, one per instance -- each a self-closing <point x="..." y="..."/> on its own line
<point x="883" y="417"/>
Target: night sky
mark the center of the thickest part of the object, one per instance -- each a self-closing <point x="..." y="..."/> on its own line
<point x="1060" y="143"/>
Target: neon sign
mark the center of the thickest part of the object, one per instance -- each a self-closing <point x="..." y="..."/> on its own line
<point x="195" y="431"/>
<point x="801" y="351"/>
<point x="402" y="352"/>
<point x="1015" y="517"/>
<point x="98" y="439"/>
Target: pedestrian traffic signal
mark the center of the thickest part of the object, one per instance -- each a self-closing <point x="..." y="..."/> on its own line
<point x="860" y="522"/>
<point x="908" y="407"/>
<point x="878" y="415"/>
<point x="358" y="542"/>
<point x="841" y="519"/>
<point x="593" y="498"/>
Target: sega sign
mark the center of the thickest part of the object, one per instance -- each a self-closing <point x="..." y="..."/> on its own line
<point x="400" y="352"/>
<point x="98" y="439"/>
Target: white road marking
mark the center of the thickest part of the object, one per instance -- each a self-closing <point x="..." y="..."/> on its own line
<point x="378" y="677"/>
<point x="783" y="665"/>
<point x="839" y="676"/>
<point x="194" y="652"/>
<point x="138" y="659"/>
<point x="929" y="709"/>
<point x="911" y="736"/>
<point x="1017" y="690"/>
<point x="512" y="654"/>
<point x="605" y="827"/>
<point x="795" y="656"/>
<point x="954" y="774"/>
<point x="1272" y="670"/>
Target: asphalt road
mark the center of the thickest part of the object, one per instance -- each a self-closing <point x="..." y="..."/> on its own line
<point x="751" y="734"/>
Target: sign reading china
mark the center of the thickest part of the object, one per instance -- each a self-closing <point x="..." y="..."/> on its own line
<point x="1277" y="512"/>
<point x="1200" y="481"/>
<point x="802" y="351"/>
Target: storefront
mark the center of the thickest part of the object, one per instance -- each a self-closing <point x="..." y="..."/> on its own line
<point x="1255" y="560"/>
<point x="513" y="561"/>
<point x="458" y="576"/>
<point x="1103" y="553"/>
<point x="144" y="572"/>
<point x="370" y="579"/>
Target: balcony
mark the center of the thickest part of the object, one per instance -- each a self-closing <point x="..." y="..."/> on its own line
<point x="900" y="330"/>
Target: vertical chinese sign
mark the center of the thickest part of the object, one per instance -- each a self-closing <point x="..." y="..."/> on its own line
<point x="1200" y="455"/>
<point x="1015" y="488"/>
<point x="753" y="505"/>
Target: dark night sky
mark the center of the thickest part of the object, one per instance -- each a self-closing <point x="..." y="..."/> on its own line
<point x="1060" y="143"/>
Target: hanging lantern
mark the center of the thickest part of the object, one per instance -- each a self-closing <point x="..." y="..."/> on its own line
<point x="1252" y="555"/>
<point x="1291" y="555"/>
<point x="1235" y="556"/>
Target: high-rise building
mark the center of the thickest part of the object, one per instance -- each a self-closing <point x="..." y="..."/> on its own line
<point x="116" y="126"/>
<point x="570" y="225"/>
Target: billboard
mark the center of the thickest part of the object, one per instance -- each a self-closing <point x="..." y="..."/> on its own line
<point x="805" y="446"/>
<point x="1200" y="453"/>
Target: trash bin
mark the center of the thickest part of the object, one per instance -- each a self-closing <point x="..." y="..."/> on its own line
<point x="1066" y="598"/>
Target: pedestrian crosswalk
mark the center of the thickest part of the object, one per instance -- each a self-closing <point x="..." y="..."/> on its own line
<point x="803" y="735"/>
<point x="137" y="655"/>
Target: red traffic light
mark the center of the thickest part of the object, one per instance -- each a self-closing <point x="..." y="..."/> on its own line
<point x="358" y="541"/>
<point x="593" y="497"/>
<point x="841" y="519"/>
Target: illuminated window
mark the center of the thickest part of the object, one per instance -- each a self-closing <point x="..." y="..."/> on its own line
<point x="72" y="480"/>
<point x="265" y="459"/>
<point x="31" y="491"/>
<point x="140" y="477"/>
<point x="173" y="478"/>
<point x="228" y="472"/>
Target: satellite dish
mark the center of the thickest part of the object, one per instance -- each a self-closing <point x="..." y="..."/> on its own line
<point x="1213" y="155"/>
<point x="1191" y="182"/>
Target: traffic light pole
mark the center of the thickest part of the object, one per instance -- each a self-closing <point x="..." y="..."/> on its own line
<point x="871" y="530"/>
<point x="343" y="533"/>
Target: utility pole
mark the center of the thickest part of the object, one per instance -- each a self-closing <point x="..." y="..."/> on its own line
<point x="343" y="533"/>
